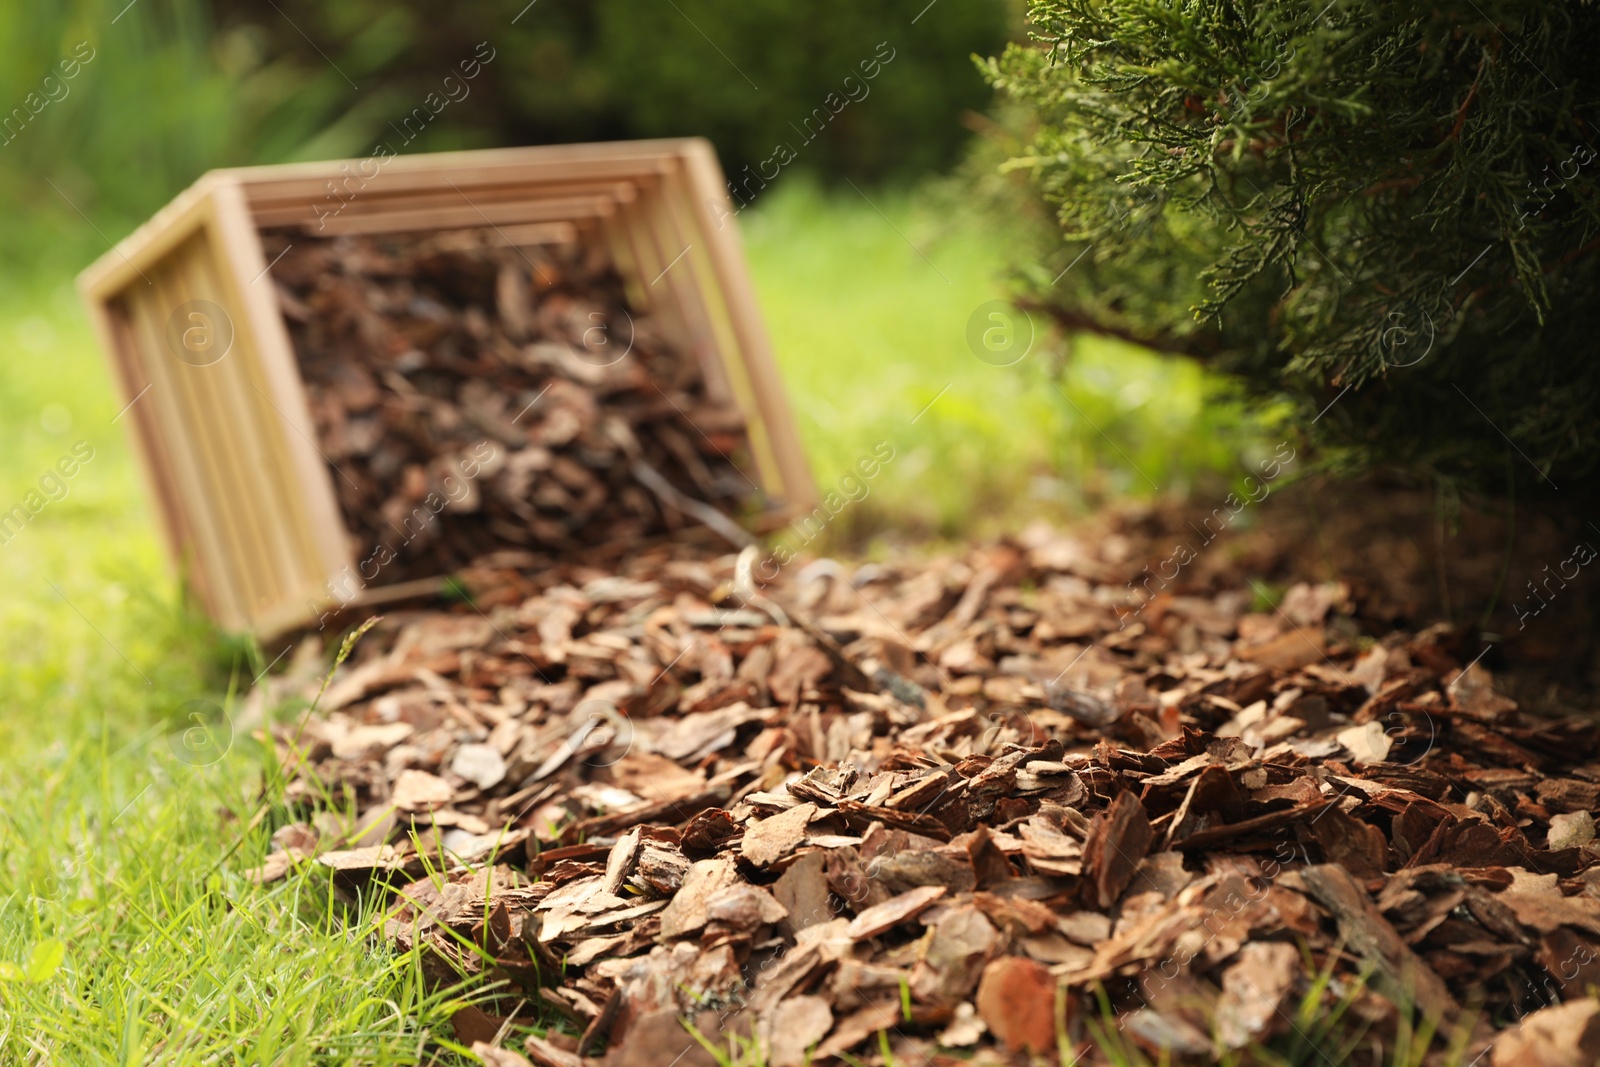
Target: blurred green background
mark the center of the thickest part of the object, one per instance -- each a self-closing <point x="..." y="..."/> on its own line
<point x="874" y="251"/>
<point x="883" y="232"/>
<point x="176" y="87"/>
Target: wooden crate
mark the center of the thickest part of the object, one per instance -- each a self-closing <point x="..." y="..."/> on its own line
<point x="213" y="397"/>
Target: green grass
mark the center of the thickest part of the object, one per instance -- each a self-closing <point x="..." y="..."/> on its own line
<point x="128" y="935"/>
<point x="131" y="935"/>
<point x="868" y="303"/>
<point x="163" y="83"/>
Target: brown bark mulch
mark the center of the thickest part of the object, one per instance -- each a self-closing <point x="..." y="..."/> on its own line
<point x="991" y="807"/>
<point x="473" y="396"/>
<point x="972" y="808"/>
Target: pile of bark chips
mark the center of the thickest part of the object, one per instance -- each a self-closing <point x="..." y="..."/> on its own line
<point x="473" y="396"/>
<point x="960" y="809"/>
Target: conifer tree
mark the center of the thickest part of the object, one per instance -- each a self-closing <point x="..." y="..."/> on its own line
<point x="1387" y="212"/>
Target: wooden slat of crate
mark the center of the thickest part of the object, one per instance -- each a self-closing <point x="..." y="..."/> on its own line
<point x="679" y="219"/>
<point x="446" y="182"/>
<point x="212" y="419"/>
<point x="459" y="216"/>
<point x="735" y="289"/>
<point x="673" y="249"/>
<point x="369" y="205"/>
<point x="250" y="438"/>
<point x="650" y="257"/>
<point x="619" y="243"/>
<point x="681" y="250"/>
<point x="320" y="544"/>
<point x="114" y="326"/>
<point x="530" y="166"/>
<point x="293" y="473"/>
<point x="250" y="451"/>
<point x="218" y="447"/>
<point x="181" y="438"/>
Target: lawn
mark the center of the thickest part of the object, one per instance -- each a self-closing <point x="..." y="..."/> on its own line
<point x="872" y="304"/>
<point x="127" y="933"/>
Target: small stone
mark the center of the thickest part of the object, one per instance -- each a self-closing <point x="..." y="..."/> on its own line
<point x="1573" y="830"/>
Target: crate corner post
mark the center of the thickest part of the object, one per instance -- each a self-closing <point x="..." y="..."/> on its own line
<point x="187" y="332"/>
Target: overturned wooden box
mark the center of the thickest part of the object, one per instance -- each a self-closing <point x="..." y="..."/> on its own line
<point x="213" y="395"/>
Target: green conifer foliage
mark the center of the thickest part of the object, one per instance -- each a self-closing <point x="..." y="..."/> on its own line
<point x="1388" y="208"/>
